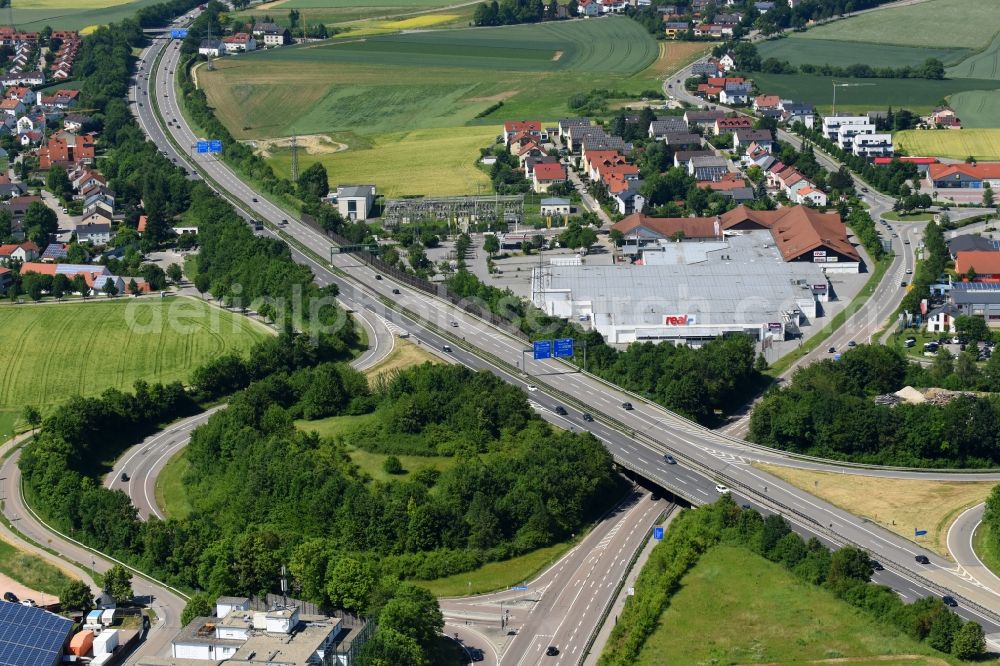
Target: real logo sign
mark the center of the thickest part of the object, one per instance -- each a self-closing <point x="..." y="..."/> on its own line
<point x="678" y="320"/>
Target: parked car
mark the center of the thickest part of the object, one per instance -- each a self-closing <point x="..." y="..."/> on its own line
<point x="30" y="603"/>
<point x="10" y="597"/>
<point x="922" y="559"/>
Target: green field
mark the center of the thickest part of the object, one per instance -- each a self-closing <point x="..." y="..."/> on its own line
<point x="977" y="108"/>
<point x="72" y="14"/>
<point x="802" y="49"/>
<point x="170" y="495"/>
<point x="54" y="351"/>
<point x="735" y="607"/>
<point x="935" y="24"/>
<point x="373" y="94"/>
<point x="982" y="65"/>
<point x="982" y="144"/>
<point x="918" y="95"/>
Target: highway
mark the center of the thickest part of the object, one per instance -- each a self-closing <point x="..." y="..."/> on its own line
<point x="638" y="437"/>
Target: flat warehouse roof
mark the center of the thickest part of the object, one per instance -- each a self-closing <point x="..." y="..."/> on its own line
<point x="752" y="285"/>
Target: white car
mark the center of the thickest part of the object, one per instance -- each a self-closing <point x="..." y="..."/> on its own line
<point x="532" y="388"/>
<point x="721" y="489"/>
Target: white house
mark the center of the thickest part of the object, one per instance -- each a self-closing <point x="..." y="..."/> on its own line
<point x="942" y="319"/>
<point x="355" y="201"/>
<point x="212" y="47"/>
<point x="727" y="62"/>
<point x="240" y="42"/>
<point x="811" y="196"/>
<point x="556" y="207"/>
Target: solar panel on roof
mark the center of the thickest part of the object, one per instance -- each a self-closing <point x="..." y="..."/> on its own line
<point x="31" y="636"/>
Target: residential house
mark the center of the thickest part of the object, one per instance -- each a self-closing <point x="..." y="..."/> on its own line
<point x="75" y="122"/>
<point x="703" y="119"/>
<point x="20" y="252"/>
<point x="629" y="200"/>
<point x="567" y="123"/>
<point x="942" y="319"/>
<point x="23" y="79"/>
<point x="943" y="116"/>
<point x="843" y="129"/>
<point x="985" y="265"/>
<point x="67" y="150"/>
<point x="708" y="91"/>
<point x="797" y="112"/>
<point x="708" y="168"/>
<point x="9" y="189"/>
<point x="588" y="8"/>
<point x="658" y="129"/>
<point x="810" y="195"/>
<point x="239" y="43"/>
<point x="99" y="215"/>
<point x="530" y="162"/>
<point x="590" y="159"/>
<point x="95" y="233"/>
<point x="872" y="145"/>
<point x="682" y="158"/>
<point x="710" y="67"/>
<point x="354" y="202"/>
<point x="556" y="207"/>
<point x="964" y="176"/>
<point x="768" y="102"/>
<point x="271" y="34"/>
<point x="735" y="93"/>
<point x="23" y="94"/>
<point x="676" y="29"/>
<point x="212" y="47"/>
<point x="30" y="138"/>
<point x="55" y="252"/>
<point x="547" y="175"/>
<point x="682" y="139"/>
<point x="742" y="138"/>
<point x="727" y="124"/>
<point x="523" y="129"/>
<point x="12" y="107"/>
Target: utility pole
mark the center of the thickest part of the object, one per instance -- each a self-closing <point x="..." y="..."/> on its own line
<point x="208" y="54"/>
<point x="295" y="159"/>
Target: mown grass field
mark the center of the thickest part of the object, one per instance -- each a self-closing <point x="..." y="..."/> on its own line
<point x="934" y="24"/>
<point x="898" y="505"/>
<point x="918" y="95"/>
<point x="982" y="144"/>
<point x="429" y="161"/>
<point x="72" y="14"/>
<point x="801" y="48"/>
<point x="735" y="607"/>
<point x="170" y="495"/>
<point x="384" y="95"/>
<point x="54" y="351"/>
<point x="977" y="108"/>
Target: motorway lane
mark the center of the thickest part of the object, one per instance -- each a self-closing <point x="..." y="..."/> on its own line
<point x="960" y="536"/>
<point x="710" y="452"/>
<point x="563" y="604"/>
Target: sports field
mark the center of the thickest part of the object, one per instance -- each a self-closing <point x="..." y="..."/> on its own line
<point x="735" y="607"/>
<point x="72" y="14"/>
<point x="53" y="351"/>
<point x="802" y="48"/>
<point x="977" y="108"/>
<point x="373" y="93"/>
<point x="934" y="24"/>
<point x="918" y="95"/>
<point x="982" y="144"/>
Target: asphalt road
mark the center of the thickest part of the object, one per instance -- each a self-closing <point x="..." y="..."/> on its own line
<point x="637" y="437"/>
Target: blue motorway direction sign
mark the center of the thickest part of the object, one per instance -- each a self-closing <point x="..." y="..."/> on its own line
<point x="215" y="146"/>
<point x="178" y="33"/>
<point x="543" y="349"/>
<point x="520" y="588"/>
<point x="658" y="533"/>
<point x="202" y="146"/>
<point x="564" y="347"/>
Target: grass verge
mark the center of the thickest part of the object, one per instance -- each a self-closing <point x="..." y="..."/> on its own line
<point x="170" y="495"/>
<point x="31" y="570"/>
<point x="982" y="545"/>
<point x="786" y="361"/>
<point x="404" y="355"/>
<point x="497" y="575"/>
<point x="898" y="505"/>
<point x="908" y="217"/>
<point x="735" y="607"/>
